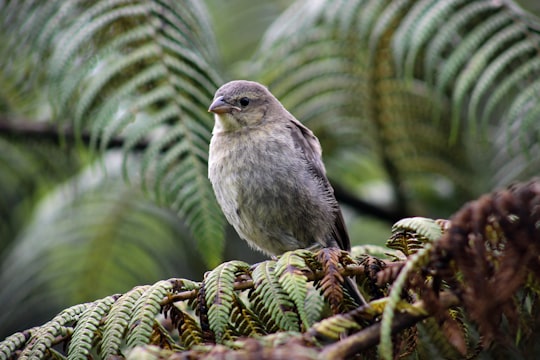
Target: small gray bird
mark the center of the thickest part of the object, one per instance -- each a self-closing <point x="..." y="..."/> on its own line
<point x="268" y="176"/>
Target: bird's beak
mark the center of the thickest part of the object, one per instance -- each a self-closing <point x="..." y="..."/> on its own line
<point x="219" y="106"/>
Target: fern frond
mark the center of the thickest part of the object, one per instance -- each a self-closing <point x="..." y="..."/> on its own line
<point x="14" y="342"/>
<point x="117" y="321"/>
<point x="86" y="330"/>
<point x="163" y="338"/>
<point x="414" y="263"/>
<point x="145" y="310"/>
<point x="375" y="105"/>
<point x="493" y="246"/>
<point x="27" y="169"/>
<point x="380" y="252"/>
<point x="88" y="224"/>
<point x="315" y="305"/>
<point x="136" y="71"/>
<point x="220" y="295"/>
<point x="507" y="46"/>
<point x="43" y="337"/>
<point x="411" y="234"/>
<point x="334" y="327"/>
<point x="245" y="322"/>
<point x="422" y="74"/>
<point x="290" y="270"/>
<point x="428" y="228"/>
<point x="190" y="331"/>
<point x="511" y="163"/>
<point x="331" y="283"/>
<point x="271" y="303"/>
<point x="497" y="43"/>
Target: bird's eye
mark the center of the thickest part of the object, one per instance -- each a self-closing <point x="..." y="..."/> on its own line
<point x="244" y="101"/>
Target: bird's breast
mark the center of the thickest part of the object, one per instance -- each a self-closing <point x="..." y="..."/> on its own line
<point x="251" y="160"/>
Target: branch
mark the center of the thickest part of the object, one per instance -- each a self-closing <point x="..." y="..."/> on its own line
<point x="370" y="336"/>
<point x="366" y="208"/>
<point x="247" y="283"/>
<point x="25" y="129"/>
<point x="46" y="131"/>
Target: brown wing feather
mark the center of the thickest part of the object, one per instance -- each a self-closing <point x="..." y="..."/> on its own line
<point x="309" y="145"/>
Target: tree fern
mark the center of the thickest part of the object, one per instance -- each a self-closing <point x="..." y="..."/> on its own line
<point x="220" y="296"/>
<point x="43" y="337"/>
<point x="407" y="85"/>
<point x="270" y="298"/>
<point x="190" y="331"/>
<point x="498" y="229"/>
<point x="85" y="332"/>
<point x="145" y="310"/>
<point x="371" y="104"/>
<point x="289" y="271"/>
<point x="88" y="226"/>
<point x="417" y="72"/>
<point x="140" y="70"/>
<point x="244" y="321"/>
<point x="118" y="320"/>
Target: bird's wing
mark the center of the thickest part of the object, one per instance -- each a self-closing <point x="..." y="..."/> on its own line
<point x="309" y="145"/>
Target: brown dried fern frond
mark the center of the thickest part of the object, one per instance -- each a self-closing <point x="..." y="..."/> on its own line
<point x="331" y="283"/>
<point x="488" y="252"/>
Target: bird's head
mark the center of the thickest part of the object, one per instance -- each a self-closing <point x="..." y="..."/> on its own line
<point x="239" y="104"/>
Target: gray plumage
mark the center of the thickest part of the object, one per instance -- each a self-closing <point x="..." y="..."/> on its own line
<point x="267" y="173"/>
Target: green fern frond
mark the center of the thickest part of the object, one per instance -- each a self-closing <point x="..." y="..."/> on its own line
<point x="14" y="342"/>
<point x="117" y="321"/>
<point x="334" y="327"/>
<point x="272" y="304"/>
<point x="484" y="42"/>
<point x="101" y="236"/>
<point x="497" y="43"/>
<point x="430" y="67"/>
<point x="28" y="169"/>
<point x="136" y="71"/>
<point x="373" y="104"/>
<point x="85" y="225"/>
<point x="496" y="68"/>
<point x="314" y="305"/>
<point x="520" y="76"/>
<point x="145" y="310"/>
<point x="380" y="252"/>
<point x="44" y="336"/>
<point x="86" y="330"/>
<point x="415" y="262"/>
<point x="220" y="295"/>
<point x="511" y="163"/>
<point x="411" y="234"/>
<point x="290" y="270"/>
<point x="245" y="322"/>
<point x="426" y="227"/>
<point x="507" y="85"/>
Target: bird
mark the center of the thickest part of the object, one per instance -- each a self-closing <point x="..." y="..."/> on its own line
<point x="268" y="176"/>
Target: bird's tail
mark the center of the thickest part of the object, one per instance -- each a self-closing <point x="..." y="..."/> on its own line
<point x="352" y="289"/>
